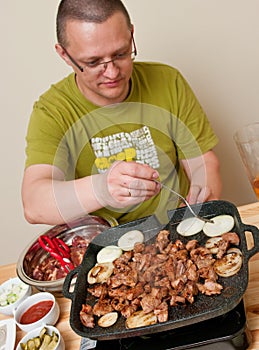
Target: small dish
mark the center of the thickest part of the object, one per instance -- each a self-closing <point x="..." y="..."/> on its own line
<point x="37" y="310"/>
<point x="7" y="334"/>
<point x="12" y="293"/>
<point x="36" y="332"/>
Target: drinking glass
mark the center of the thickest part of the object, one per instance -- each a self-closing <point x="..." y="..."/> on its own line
<point x="247" y="141"/>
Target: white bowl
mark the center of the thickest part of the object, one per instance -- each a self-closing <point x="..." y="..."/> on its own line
<point x="35" y="332"/>
<point x="49" y="319"/>
<point x="11" y="286"/>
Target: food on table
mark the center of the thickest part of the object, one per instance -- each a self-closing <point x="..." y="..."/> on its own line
<point x="36" y="312"/>
<point x="44" y="341"/>
<point x="151" y="278"/>
<point x="190" y="226"/>
<point x="127" y="241"/>
<point x="108" y="319"/>
<point x="109" y="254"/>
<point x="221" y="224"/>
<point x="229" y="264"/>
<point x="141" y="319"/>
<point x="218" y="245"/>
<point x="12" y="293"/>
<point x="100" y="273"/>
<point x="50" y="269"/>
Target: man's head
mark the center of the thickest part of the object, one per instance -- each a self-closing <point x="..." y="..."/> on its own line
<point x="95" y="38"/>
<point x="95" y="11"/>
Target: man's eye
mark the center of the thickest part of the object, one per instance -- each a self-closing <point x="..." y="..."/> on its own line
<point x="93" y="63"/>
<point x="121" y="55"/>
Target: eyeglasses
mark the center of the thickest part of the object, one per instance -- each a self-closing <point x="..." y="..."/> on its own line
<point x="100" y="67"/>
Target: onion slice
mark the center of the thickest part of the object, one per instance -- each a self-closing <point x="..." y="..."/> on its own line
<point x="108" y="319"/>
<point x="100" y="273"/>
<point x="221" y="224"/>
<point x="108" y="254"/>
<point x="127" y="241"/>
<point x="190" y="226"/>
<point x="141" y="319"/>
<point x="230" y="264"/>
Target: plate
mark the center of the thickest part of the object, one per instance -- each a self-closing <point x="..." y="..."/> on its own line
<point x="7" y="334"/>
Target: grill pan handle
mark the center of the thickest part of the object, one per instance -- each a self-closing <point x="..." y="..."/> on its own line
<point x="67" y="286"/>
<point x="255" y="233"/>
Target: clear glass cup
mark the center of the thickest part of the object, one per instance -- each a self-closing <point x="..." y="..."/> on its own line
<point x="247" y="142"/>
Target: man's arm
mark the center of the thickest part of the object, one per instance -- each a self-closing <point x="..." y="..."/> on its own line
<point x="204" y="175"/>
<point x="49" y="199"/>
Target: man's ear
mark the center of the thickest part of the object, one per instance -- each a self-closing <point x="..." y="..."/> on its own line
<point x="62" y="53"/>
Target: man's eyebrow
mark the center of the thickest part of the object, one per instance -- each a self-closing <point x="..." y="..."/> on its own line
<point x="96" y="58"/>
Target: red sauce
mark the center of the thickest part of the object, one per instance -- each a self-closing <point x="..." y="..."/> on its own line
<point x="36" y="312"/>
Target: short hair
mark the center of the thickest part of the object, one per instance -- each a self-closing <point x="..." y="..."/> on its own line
<point x="97" y="11"/>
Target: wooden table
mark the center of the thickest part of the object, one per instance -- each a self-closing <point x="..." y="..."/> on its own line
<point x="249" y="214"/>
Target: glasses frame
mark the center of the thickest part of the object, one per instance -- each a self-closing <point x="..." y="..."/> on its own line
<point x="105" y="63"/>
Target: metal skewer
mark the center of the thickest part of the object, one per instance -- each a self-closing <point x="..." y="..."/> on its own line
<point x="184" y="200"/>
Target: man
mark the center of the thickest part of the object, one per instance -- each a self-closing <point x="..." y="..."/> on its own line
<point x="98" y="139"/>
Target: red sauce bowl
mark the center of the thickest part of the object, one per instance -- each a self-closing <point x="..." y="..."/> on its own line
<point x="37" y="310"/>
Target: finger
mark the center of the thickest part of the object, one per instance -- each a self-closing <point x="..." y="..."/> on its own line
<point x="198" y="194"/>
<point x="135" y="170"/>
<point x="203" y="195"/>
<point x="193" y="194"/>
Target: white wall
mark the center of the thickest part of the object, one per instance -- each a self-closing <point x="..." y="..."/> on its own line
<point x="215" y="44"/>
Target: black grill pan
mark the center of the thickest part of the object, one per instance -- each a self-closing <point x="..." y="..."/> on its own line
<point x="204" y="307"/>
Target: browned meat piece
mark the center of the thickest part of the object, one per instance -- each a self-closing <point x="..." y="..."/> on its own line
<point x="192" y="244"/>
<point x="102" y="307"/>
<point x="86" y="316"/>
<point x="190" y="291"/>
<point x="128" y="310"/>
<point x="176" y="300"/>
<point x="202" y="257"/>
<point x="209" y="287"/>
<point x="149" y="303"/>
<point x="162" y="240"/>
<point x="49" y="270"/>
<point x="138" y="248"/>
<point x="123" y="259"/>
<point x="98" y="290"/>
<point x="150" y="249"/>
<point x="142" y="261"/>
<point x="128" y="279"/>
<point x="119" y="304"/>
<point x="162" y="312"/>
<point x="222" y="248"/>
<point x="134" y="292"/>
<point x="78" y="249"/>
<point x="208" y="273"/>
<point x="231" y="237"/>
<point x="192" y="273"/>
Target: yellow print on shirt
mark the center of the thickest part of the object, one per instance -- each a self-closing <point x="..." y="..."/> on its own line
<point x="136" y="145"/>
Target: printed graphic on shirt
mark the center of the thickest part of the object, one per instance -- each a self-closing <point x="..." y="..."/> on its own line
<point x="136" y="145"/>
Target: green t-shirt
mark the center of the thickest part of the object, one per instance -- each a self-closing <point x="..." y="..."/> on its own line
<point x="158" y="124"/>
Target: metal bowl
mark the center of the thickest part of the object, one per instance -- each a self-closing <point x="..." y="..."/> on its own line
<point x="87" y="227"/>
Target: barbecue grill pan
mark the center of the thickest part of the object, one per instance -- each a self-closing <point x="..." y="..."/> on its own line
<point x="203" y="308"/>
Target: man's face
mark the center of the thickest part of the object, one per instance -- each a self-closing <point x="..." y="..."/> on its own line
<point x="89" y="43"/>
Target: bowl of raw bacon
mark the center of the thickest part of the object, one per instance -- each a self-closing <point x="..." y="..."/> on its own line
<point x="46" y="261"/>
